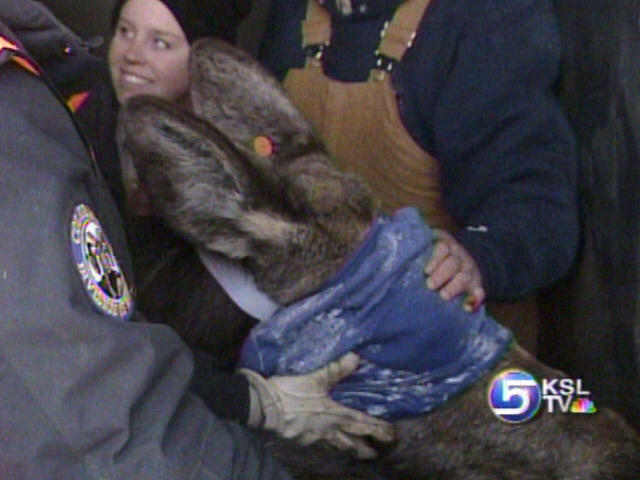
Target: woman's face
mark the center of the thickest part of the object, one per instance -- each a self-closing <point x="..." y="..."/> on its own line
<point x="149" y="53"/>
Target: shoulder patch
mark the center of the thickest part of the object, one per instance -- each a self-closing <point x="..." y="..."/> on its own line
<point x="101" y="275"/>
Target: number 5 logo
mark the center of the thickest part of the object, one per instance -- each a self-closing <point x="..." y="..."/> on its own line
<point x="514" y="396"/>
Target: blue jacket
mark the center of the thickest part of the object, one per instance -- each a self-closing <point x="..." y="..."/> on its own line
<point x="475" y="91"/>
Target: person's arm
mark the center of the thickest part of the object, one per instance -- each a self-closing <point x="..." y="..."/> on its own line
<point x="296" y="407"/>
<point x="215" y="387"/>
<point x="507" y="155"/>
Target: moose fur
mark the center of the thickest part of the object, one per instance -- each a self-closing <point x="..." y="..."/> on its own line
<point x="293" y="219"/>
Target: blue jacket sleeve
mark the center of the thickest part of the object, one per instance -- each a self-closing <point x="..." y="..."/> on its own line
<point x="507" y="155"/>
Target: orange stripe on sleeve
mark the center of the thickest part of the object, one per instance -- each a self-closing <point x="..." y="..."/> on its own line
<point x="23" y="62"/>
<point x="77" y="100"/>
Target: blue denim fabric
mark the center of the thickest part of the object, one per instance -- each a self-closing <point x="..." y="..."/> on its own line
<point x="417" y="349"/>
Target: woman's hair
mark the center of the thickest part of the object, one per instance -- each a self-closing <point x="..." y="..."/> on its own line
<point x="202" y="18"/>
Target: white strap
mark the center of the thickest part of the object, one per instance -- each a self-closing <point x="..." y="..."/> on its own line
<point x="239" y="285"/>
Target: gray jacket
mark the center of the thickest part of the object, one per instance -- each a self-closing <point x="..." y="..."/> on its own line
<point x="87" y="392"/>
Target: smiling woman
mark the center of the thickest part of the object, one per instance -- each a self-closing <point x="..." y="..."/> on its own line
<point x="149" y="53"/>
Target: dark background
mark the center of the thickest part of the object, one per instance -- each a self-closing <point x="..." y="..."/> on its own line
<point x="90" y="18"/>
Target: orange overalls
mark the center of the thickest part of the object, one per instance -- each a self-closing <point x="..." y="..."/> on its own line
<point x="361" y="127"/>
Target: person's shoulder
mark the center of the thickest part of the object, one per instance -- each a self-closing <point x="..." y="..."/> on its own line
<point x="489" y="17"/>
<point x="483" y="9"/>
<point x="481" y="6"/>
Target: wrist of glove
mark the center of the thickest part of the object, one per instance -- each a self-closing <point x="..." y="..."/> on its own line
<point x="299" y="408"/>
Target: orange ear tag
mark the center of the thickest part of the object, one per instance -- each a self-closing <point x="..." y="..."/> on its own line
<point x="263" y="146"/>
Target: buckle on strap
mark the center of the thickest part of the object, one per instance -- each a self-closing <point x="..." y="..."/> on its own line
<point x="395" y="40"/>
<point x="384" y="62"/>
<point x="315" y="51"/>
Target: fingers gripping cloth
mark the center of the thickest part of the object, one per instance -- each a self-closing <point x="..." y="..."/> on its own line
<point x="417" y="350"/>
<point x="298" y="407"/>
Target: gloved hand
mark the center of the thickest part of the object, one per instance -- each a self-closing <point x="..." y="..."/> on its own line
<point x="299" y="407"/>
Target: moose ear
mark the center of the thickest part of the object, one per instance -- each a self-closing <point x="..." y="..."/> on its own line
<point x="233" y="92"/>
<point x="193" y="176"/>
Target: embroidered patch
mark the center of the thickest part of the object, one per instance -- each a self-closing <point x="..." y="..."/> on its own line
<point x="101" y="275"/>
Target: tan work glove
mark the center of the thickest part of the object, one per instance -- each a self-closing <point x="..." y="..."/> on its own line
<point x="299" y="408"/>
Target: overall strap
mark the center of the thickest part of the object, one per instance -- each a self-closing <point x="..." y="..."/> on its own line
<point x="397" y="35"/>
<point x="316" y="31"/>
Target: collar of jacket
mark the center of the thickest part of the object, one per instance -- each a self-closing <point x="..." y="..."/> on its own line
<point x="356" y="10"/>
<point x="9" y="44"/>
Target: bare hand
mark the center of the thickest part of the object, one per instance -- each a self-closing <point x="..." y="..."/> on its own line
<point x="452" y="271"/>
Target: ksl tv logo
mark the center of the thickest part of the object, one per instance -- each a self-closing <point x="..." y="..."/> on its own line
<point x="515" y="396"/>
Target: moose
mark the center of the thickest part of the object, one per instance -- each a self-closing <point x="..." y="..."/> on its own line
<point x="245" y="177"/>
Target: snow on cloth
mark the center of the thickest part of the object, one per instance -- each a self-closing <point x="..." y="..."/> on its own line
<point x="417" y="349"/>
